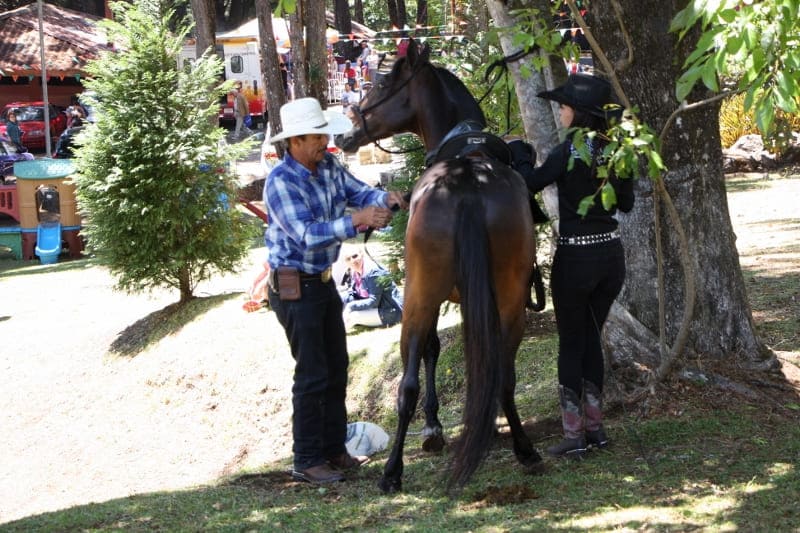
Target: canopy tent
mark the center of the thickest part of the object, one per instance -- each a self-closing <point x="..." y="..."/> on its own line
<point x="280" y="28"/>
<point x="71" y="39"/>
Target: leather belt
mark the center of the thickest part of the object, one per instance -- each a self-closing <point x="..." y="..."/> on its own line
<point x="586" y="240"/>
<point x="324" y="276"/>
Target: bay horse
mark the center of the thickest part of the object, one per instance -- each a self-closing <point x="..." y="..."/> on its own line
<point x="469" y="240"/>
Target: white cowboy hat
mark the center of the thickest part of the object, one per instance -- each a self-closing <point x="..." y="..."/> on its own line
<point x="305" y="116"/>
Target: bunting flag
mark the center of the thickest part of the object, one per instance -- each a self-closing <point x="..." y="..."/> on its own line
<point x="14" y="77"/>
<point x="78" y="76"/>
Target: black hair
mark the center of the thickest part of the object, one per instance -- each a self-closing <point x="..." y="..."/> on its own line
<point x="586" y="120"/>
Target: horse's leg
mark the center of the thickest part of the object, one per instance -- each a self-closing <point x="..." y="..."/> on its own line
<point x="511" y="280"/>
<point x="407" y="395"/>
<point x="433" y="437"/>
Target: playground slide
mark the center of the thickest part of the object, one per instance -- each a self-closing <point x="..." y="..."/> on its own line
<point x="48" y="242"/>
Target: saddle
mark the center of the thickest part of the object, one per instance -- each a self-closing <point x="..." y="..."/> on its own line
<point x="468" y="139"/>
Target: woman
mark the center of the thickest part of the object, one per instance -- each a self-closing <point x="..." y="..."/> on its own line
<point x="371" y="299"/>
<point x="12" y="129"/>
<point x="589" y="263"/>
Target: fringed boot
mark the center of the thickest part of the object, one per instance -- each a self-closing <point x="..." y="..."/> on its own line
<point x="574" y="443"/>
<point x="593" y="413"/>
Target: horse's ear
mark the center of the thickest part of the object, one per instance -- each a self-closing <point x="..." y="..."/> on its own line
<point x="415" y="54"/>
<point x="425" y="53"/>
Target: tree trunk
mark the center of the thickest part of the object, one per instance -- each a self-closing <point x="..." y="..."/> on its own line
<point x="722" y="325"/>
<point x="316" y="50"/>
<point x="344" y="26"/>
<point x="299" y="60"/>
<point x="394" y="20"/>
<point x="538" y="116"/>
<point x="358" y="11"/>
<point x="205" y="18"/>
<point x="237" y="13"/>
<point x="402" y="17"/>
<point x="422" y="13"/>
<point x="273" y="82"/>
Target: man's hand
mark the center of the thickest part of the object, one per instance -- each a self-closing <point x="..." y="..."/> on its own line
<point x="396" y="201"/>
<point x="372" y="216"/>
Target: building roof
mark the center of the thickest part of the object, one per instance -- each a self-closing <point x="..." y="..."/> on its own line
<point x="71" y="39"/>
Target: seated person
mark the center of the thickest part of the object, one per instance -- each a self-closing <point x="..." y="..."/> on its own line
<point x="371" y="298"/>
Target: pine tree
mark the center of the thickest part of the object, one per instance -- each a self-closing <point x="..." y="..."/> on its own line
<point x="154" y="177"/>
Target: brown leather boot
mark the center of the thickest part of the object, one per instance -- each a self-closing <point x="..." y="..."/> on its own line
<point x="318" y="474"/>
<point x="573" y="445"/>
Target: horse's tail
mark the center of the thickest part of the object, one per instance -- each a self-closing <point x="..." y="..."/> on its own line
<point x="481" y="333"/>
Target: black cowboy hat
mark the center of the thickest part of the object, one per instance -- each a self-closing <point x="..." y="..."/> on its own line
<point x="587" y="93"/>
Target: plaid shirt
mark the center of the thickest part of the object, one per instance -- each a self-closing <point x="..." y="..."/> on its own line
<point x="307" y="221"/>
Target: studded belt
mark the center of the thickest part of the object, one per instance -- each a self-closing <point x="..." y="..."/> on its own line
<point x="586" y="240"/>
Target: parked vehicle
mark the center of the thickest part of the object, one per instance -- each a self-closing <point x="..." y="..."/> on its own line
<point x="241" y="63"/>
<point x="10" y="154"/>
<point x="30" y="116"/>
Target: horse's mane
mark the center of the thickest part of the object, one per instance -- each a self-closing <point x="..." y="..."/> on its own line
<point x="460" y="94"/>
<point x="456" y="90"/>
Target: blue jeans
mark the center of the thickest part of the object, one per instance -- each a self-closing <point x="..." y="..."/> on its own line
<point x="585" y="282"/>
<point x="316" y="335"/>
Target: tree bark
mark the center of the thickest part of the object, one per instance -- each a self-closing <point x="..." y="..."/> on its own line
<point x="539" y="118"/>
<point x="316" y="50"/>
<point x="358" y="11"/>
<point x="299" y="59"/>
<point x="422" y="13"/>
<point x="722" y="326"/>
<point x="204" y="12"/>
<point x="394" y="19"/>
<point x="402" y="17"/>
<point x="272" y="82"/>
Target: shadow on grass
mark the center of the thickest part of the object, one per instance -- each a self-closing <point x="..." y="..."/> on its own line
<point x="706" y="469"/>
<point x="159" y="324"/>
<point x="775" y="301"/>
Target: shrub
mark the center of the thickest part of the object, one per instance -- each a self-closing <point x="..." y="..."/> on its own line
<point x="154" y="181"/>
<point x="734" y="122"/>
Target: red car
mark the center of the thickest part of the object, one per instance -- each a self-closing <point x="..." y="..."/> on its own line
<point x="30" y="116"/>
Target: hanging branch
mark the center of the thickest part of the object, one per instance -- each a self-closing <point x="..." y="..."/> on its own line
<point x="660" y="189"/>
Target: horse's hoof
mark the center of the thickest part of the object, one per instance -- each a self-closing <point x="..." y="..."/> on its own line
<point x="390" y="486"/>
<point x="533" y="463"/>
<point x="434" y="443"/>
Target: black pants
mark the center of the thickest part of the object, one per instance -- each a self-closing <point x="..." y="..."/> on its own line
<point x="585" y="282"/>
<point x="316" y="334"/>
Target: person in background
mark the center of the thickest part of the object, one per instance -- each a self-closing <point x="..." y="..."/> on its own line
<point x="350" y="74"/>
<point x="371" y="299"/>
<point x="75" y="112"/>
<point x="307" y="195"/>
<point x="240" y="110"/>
<point x="12" y="129"/>
<point x="589" y="264"/>
<point x="349" y="98"/>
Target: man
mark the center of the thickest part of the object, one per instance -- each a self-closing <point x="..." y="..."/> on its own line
<point x="306" y="195"/>
<point x="240" y="110"/>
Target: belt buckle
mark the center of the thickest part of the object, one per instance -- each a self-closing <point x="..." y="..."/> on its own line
<point x="326" y="275"/>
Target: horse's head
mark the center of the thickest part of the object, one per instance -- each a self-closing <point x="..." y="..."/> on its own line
<point x="391" y="105"/>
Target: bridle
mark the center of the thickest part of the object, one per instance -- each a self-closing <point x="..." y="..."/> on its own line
<point x="359" y="112"/>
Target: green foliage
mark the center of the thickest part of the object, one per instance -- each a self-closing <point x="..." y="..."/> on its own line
<point x="755" y="41"/>
<point x="628" y="142"/>
<point x="153" y="176"/>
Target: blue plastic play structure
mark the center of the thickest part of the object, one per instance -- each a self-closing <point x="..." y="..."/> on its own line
<point x="48" y="242"/>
